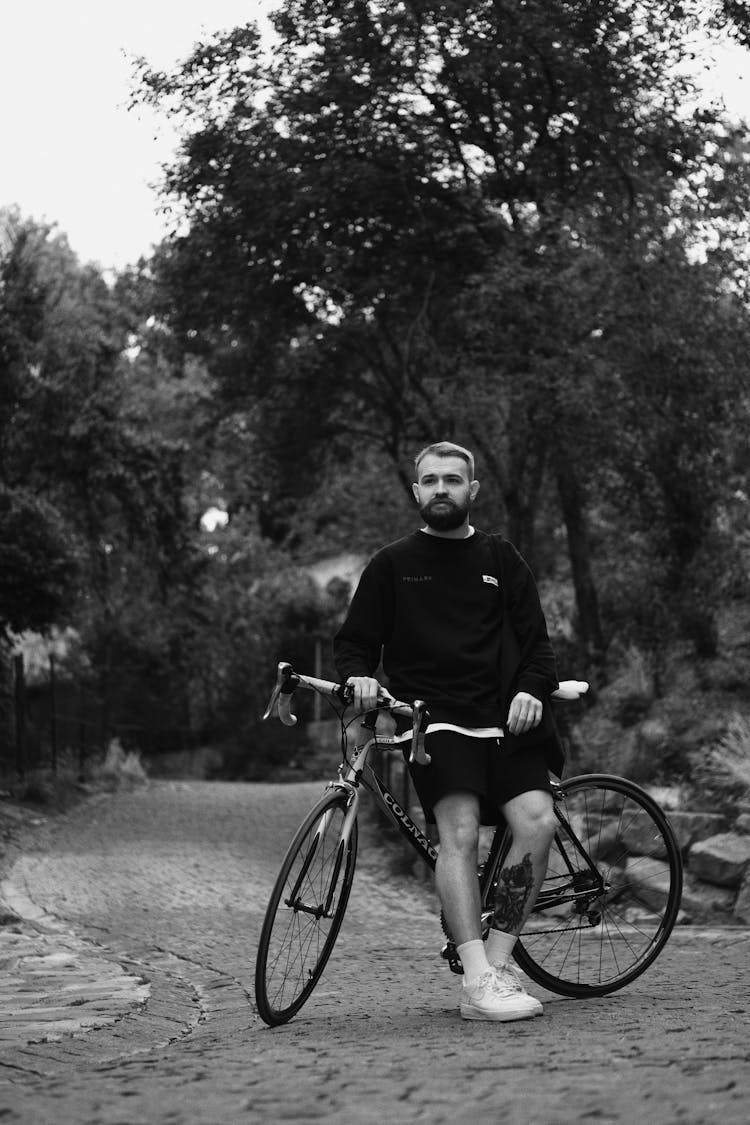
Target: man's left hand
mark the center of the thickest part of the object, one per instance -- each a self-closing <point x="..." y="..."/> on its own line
<point x="525" y="713"/>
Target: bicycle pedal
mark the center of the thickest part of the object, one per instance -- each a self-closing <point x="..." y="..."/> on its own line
<point x="448" y="953"/>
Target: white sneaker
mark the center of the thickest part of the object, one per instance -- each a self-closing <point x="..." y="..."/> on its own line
<point x="498" y="995"/>
<point x="512" y="975"/>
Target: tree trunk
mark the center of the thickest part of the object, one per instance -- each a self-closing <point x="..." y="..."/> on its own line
<point x="579" y="551"/>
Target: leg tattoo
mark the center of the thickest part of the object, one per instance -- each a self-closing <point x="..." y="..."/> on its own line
<point x="513" y="889"/>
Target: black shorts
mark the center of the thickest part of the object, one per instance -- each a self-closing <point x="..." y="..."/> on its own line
<point x="479" y="765"/>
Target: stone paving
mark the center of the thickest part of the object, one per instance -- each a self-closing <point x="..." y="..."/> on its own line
<point x="126" y="992"/>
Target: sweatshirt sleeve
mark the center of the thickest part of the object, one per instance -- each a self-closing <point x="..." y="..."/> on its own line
<point x="537" y="669"/>
<point x="368" y="625"/>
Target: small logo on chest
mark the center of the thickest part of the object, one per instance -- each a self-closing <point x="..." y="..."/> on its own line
<point x="490" y="580"/>
<point x="416" y="578"/>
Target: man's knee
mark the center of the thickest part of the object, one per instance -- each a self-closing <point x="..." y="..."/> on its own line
<point x="531" y="816"/>
<point x="457" y="817"/>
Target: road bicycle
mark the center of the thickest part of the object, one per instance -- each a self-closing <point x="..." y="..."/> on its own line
<point x="607" y="906"/>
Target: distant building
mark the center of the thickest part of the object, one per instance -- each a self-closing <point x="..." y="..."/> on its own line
<point x="346" y="567"/>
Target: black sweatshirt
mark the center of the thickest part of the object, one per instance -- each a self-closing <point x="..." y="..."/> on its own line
<point x="434" y="606"/>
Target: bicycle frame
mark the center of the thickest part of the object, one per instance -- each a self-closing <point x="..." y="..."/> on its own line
<point x="588" y="885"/>
<point x="358" y="770"/>
<point x="599" y="921"/>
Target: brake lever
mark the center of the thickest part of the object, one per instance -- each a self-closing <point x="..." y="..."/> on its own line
<point x="418" y="753"/>
<point x="272" y="702"/>
<point x="286" y="682"/>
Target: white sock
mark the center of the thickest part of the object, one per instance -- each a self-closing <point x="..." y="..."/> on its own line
<point x="499" y="947"/>
<point x="474" y="960"/>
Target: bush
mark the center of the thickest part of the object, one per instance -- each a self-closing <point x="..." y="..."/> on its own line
<point x="120" y="766"/>
<point x="731" y="756"/>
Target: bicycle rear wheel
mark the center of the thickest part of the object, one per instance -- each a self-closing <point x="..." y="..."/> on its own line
<point x="306" y="909"/>
<point x="612" y="891"/>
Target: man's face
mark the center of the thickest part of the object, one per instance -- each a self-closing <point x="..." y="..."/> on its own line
<point x="444" y="492"/>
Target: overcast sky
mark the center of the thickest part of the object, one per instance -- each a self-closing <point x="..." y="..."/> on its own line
<point x="71" y="152"/>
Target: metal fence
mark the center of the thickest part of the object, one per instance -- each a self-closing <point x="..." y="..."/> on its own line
<point x="53" y="722"/>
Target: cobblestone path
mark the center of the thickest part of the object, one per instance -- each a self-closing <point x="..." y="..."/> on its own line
<point x="145" y="908"/>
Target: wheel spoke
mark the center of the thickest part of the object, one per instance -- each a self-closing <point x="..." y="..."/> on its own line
<point x="616" y="919"/>
<point x="299" y="932"/>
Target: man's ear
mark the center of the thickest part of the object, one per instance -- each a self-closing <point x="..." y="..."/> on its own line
<point x="415" y="490"/>
<point x="474" y="489"/>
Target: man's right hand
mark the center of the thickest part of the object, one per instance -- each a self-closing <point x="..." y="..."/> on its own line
<point x="366" y="690"/>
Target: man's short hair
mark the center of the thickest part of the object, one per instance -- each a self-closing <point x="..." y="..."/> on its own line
<point x="446" y="449"/>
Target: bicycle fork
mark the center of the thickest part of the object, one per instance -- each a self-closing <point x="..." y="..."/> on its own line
<point x="323" y="908"/>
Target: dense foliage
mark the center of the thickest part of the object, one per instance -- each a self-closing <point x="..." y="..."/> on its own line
<point x="91" y="504"/>
<point x="509" y="222"/>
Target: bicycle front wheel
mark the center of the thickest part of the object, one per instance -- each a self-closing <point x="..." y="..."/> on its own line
<point x="611" y="894"/>
<point x="305" y="911"/>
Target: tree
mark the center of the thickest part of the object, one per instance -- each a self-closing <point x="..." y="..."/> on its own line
<point x="90" y="502"/>
<point x="679" y="399"/>
<point x="417" y="220"/>
<point x="37" y="563"/>
<point x="39" y="552"/>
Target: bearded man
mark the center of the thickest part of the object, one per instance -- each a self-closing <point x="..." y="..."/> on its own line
<point x="454" y="615"/>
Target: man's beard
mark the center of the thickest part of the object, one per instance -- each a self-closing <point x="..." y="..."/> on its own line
<point x="448" y="517"/>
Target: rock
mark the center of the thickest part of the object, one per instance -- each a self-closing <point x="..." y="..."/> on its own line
<point x="606" y="843"/>
<point x="702" y="902"/>
<point x="642" y="837"/>
<point x="742" y="823"/>
<point x="721" y="860"/>
<point x="689" y="827"/>
<point x="650" y="880"/>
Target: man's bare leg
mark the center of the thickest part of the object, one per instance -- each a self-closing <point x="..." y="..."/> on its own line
<point x="457" y="816"/>
<point x="532" y="821"/>
<point x="484" y="995"/>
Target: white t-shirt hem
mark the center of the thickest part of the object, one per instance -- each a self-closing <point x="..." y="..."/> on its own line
<point x="472" y="732"/>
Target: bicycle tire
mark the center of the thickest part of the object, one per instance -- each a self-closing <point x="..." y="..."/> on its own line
<point x="305" y="911"/>
<point x="582" y="942"/>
